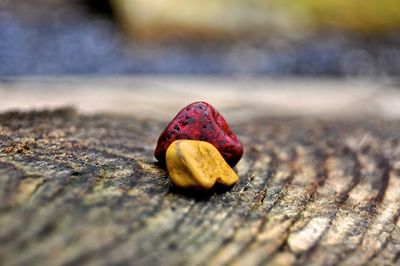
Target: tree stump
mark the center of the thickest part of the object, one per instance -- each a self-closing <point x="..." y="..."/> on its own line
<point x="81" y="189"/>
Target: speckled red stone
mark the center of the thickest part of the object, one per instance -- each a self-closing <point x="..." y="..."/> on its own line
<point x="200" y="121"/>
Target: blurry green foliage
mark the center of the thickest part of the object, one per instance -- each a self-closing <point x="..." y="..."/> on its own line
<point x="163" y="17"/>
<point x="357" y="15"/>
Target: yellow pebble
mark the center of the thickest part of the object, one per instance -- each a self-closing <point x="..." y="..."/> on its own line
<point x="197" y="164"/>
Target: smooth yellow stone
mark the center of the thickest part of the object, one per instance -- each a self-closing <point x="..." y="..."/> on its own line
<point x="197" y="164"/>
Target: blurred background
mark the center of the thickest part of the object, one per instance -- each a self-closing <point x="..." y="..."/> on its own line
<point x="343" y="38"/>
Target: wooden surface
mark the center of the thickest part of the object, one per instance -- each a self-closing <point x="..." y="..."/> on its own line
<point x="84" y="189"/>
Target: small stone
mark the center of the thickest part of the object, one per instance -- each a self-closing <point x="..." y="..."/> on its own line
<point x="197" y="164"/>
<point x="200" y="121"/>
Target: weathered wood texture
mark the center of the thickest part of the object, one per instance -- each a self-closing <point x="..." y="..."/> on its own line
<point x="85" y="190"/>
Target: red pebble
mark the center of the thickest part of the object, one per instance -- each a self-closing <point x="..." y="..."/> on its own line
<point x="200" y="121"/>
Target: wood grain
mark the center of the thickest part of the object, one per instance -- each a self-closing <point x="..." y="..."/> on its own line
<point x="80" y="189"/>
